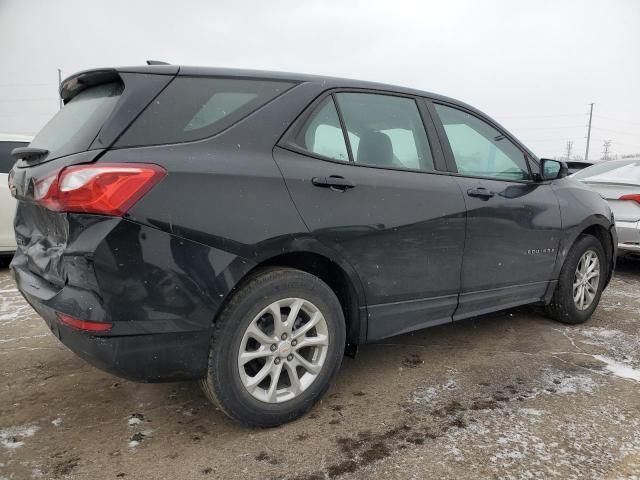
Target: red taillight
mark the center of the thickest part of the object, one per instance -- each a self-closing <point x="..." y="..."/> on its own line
<point x="634" y="197"/>
<point x="104" y="188"/>
<point x="85" y="325"/>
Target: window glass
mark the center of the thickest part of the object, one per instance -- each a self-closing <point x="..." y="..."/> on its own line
<point x="322" y="133"/>
<point x="74" y="127"/>
<point x="217" y="107"/>
<point x="385" y="131"/>
<point x="192" y="108"/>
<point x="6" y="160"/>
<point x="479" y="149"/>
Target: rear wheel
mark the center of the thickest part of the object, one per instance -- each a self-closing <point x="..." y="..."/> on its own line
<point x="276" y="348"/>
<point x="581" y="282"/>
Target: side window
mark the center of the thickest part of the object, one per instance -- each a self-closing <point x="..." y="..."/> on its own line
<point x="385" y="131"/>
<point x="479" y="149"/>
<point x="322" y="133"/>
<point x="193" y="108"/>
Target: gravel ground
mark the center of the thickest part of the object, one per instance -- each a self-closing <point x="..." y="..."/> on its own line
<point x="509" y="395"/>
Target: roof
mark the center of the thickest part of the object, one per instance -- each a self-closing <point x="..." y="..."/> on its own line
<point x="327" y="81"/>
<point x="74" y="83"/>
<point x="15" y="137"/>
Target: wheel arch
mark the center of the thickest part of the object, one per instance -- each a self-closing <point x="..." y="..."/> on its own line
<point x="606" y="240"/>
<point x="319" y="261"/>
<point x="335" y="276"/>
<point x="598" y="228"/>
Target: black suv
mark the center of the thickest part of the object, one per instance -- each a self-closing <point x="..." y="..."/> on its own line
<point x="247" y="228"/>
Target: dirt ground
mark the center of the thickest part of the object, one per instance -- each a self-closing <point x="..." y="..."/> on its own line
<point x="510" y="395"/>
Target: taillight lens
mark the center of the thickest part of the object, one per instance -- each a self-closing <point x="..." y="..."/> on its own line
<point x="107" y="188"/>
<point x="635" y="197"/>
<point x="86" y="325"/>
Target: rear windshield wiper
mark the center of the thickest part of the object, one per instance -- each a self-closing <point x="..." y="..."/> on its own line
<point x="28" y="153"/>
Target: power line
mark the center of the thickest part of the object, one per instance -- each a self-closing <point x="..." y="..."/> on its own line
<point x="17" y="100"/>
<point x="637" y="145"/>
<point x="617" y="120"/>
<point x="548" y="128"/>
<point x="617" y="131"/>
<point x="541" y="116"/>
<point x="569" y="149"/>
<point x="27" y="84"/>
<point x="26" y="115"/>
<point x="606" y="149"/>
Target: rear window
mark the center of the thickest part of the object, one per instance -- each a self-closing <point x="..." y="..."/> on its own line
<point x="76" y="125"/>
<point x="6" y="160"/>
<point x="192" y="108"/>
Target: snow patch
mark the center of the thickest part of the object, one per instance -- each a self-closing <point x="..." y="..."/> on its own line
<point x="619" y="369"/>
<point x="556" y="381"/>
<point x="426" y="395"/>
<point x="13" y="437"/>
<point x="532" y="411"/>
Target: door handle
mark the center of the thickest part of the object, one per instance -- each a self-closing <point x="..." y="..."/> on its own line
<point x="480" y="192"/>
<point x="334" y="182"/>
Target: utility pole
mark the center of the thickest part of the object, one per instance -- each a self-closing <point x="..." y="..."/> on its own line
<point x="60" y="83"/>
<point x="586" y="154"/>
<point x="606" y="146"/>
<point x="569" y="149"/>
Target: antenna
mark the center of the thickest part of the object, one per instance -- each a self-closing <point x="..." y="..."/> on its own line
<point x="157" y="62"/>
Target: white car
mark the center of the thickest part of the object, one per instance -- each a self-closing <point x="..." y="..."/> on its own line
<point x="7" y="204"/>
<point x="619" y="182"/>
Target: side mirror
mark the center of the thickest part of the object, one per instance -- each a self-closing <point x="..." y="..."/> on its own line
<point x="552" y="169"/>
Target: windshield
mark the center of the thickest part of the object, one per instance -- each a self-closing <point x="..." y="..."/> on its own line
<point x="616" y="171"/>
<point x="75" y="126"/>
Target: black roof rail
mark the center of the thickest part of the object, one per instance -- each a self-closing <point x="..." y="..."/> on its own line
<point x="157" y="62"/>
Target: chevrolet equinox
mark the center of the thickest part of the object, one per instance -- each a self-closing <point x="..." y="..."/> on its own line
<point x="247" y="229"/>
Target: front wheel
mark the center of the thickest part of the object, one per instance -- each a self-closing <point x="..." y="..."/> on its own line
<point x="276" y="348"/>
<point x="581" y="282"/>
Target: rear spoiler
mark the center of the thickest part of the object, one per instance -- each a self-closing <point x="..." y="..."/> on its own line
<point x="28" y="153"/>
<point x="73" y="85"/>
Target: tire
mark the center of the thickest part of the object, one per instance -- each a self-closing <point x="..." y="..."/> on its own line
<point x="563" y="307"/>
<point x="263" y="405"/>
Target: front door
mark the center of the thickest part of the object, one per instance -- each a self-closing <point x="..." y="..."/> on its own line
<point x="513" y="222"/>
<point x="371" y="192"/>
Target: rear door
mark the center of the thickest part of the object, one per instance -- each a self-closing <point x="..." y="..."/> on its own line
<point x="513" y="222"/>
<point x="365" y="177"/>
<point x="7" y="203"/>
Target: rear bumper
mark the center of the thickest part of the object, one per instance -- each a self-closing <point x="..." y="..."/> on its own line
<point x="160" y="292"/>
<point x="156" y="357"/>
<point x="628" y="236"/>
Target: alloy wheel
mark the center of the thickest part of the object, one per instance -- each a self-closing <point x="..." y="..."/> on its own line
<point x="586" y="280"/>
<point x="283" y="350"/>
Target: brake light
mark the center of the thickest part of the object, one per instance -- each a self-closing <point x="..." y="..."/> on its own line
<point x="107" y="188"/>
<point x="86" y="325"/>
<point x="634" y="197"/>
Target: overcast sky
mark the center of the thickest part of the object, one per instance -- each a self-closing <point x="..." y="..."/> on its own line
<point x="532" y="65"/>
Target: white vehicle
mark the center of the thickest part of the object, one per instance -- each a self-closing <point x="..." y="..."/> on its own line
<point x="619" y="182"/>
<point x="7" y="204"/>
